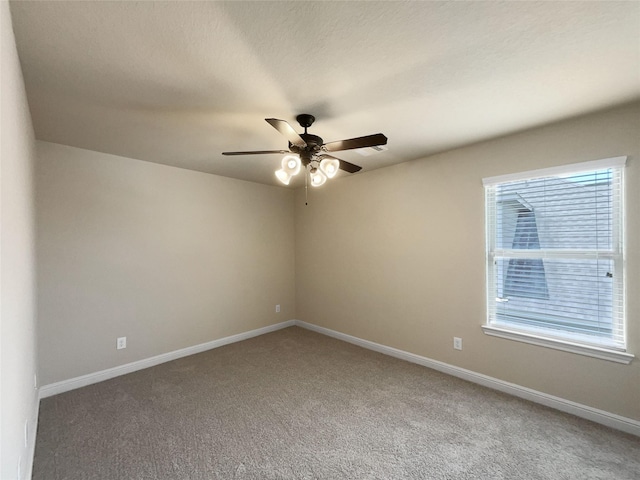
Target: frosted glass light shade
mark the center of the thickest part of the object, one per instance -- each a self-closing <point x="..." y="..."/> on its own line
<point x="283" y="176"/>
<point x="329" y="167"/>
<point x="291" y="164"/>
<point x="317" y="178"/>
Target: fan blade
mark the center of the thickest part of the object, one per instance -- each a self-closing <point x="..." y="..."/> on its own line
<point x="344" y="165"/>
<point x="287" y="130"/>
<point x="360" y="142"/>
<point x="256" y="152"/>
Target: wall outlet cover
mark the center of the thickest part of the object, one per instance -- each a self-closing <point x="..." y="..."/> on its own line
<point x="121" y="343"/>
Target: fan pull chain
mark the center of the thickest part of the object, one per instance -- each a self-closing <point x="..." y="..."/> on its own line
<point x="306" y="189"/>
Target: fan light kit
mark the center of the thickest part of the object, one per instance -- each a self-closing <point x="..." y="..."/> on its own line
<point x="319" y="173"/>
<point x="307" y="151"/>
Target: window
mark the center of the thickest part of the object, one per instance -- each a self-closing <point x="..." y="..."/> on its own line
<point x="555" y="258"/>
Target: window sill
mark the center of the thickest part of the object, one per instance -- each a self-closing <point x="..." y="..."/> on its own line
<point x="602" y="353"/>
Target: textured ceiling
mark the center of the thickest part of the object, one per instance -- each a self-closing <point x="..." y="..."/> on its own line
<point x="180" y="82"/>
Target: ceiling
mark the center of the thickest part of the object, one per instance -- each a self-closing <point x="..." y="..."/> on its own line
<point x="179" y="82"/>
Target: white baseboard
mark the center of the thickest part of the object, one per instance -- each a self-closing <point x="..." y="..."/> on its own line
<point x="84" y="380"/>
<point x="599" y="416"/>
<point x="602" y="417"/>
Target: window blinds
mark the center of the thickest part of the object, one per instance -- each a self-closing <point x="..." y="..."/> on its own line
<point x="555" y="253"/>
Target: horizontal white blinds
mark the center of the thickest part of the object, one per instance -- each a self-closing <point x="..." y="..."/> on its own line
<point x="554" y="252"/>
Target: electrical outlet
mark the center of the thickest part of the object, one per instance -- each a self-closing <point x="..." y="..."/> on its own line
<point x="121" y="343"/>
<point x="277" y="308"/>
<point x="457" y="343"/>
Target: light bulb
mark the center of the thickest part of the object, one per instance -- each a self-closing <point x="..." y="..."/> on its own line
<point x="283" y="176"/>
<point x="291" y="164"/>
<point x="330" y="166"/>
<point x="317" y="178"/>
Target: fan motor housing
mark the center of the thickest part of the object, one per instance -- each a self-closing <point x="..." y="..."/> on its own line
<point x="314" y="142"/>
<point x="314" y="145"/>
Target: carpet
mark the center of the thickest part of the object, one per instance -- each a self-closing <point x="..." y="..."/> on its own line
<point x="295" y="404"/>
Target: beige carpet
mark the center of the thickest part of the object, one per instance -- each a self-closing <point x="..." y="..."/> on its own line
<point x="295" y="404"/>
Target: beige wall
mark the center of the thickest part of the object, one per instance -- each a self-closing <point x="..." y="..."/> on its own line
<point x="17" y="270"/>
<point x="172" y="258"/>
<point x="396" y="256"/>
<point x="169" y="258"/>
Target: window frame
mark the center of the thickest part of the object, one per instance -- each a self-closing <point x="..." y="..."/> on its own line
<point x="532" y="335"/>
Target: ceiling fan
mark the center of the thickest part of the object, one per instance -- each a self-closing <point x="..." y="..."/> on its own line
<point x="308" y="151"/>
